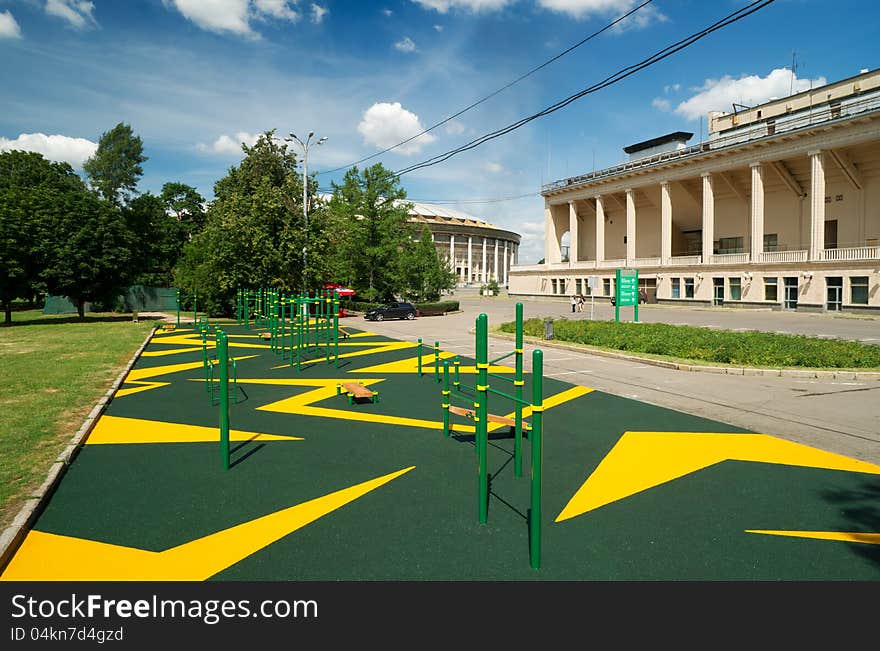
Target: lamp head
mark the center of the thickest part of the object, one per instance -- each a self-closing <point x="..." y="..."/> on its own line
<point x="311" y="133"/>
<point x="321" y="140"/>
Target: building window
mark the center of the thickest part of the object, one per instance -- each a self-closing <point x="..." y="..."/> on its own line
<point x="577" y="286"/>
<point x="553" y="283"/>
<point x="735" y="289"/>
<point x="688" y="287"/>
<point x="730" y="245"/>
<point x="770" y="289"/>
<point x="859" y="290"/>
<point x="771" y="242"/>
<point x="676" y="288"/>
<point x="606" y="287"/>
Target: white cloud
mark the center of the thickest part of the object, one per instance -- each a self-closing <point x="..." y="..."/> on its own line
<point x="385" y="124"/>
<point x="56" y="148"/>
<point x="444" y="6"/>
<point x="454" y="128"/>
<point x="438" y="28"/>
<point x="78" y="13"/>
<point x="318" y="13"/>
<point x="493" y="168"/>
<point x="674" y="88"/>
<point x="228" y="144"/>
<point x="720" y="94"/>
<point x="387" y="12"/>
<point x="661" y="104"/>
<point x="233" y="16"/>
<point x="406" y="44"/>
<point x="611" y="8"/>
<point x="8" y="26"/>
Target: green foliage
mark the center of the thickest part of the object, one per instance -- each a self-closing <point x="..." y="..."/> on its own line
<point x="186" y="205"/>
<point x="761" y="349"/>
<point x="371" y="232"/>
<point x="156" y="240"/>
<point x="115" y="168"/>
<point x="423" y="272"/>
<point x="436" y="309"/>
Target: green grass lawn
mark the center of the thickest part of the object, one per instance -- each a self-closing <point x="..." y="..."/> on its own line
<point x="693" y="344"/>
<point x="53" y="369"/>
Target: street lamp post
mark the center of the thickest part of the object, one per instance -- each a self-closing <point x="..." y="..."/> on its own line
<point x="305" y="148"/>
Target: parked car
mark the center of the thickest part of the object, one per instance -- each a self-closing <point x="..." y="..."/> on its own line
<point x="391" y="311"/>
<point x="643" y="297"/>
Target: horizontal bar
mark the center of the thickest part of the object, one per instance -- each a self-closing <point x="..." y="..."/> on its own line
<point x="492" y="361"/>
<point x="507" y="395"/>
<point x="502" y="377"/>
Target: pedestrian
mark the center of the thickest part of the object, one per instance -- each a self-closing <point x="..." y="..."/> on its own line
<point x="573" y="303"/>
<point x="581" y="301"/>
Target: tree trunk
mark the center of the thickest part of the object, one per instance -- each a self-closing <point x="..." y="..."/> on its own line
<point x="7" y="306"/>
<point x="81" y="308"/>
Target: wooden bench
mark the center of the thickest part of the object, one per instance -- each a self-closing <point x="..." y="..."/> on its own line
<point x="168" y="327"/>
<point x="354" y="390"/>
<point x="265" y="335"/>
<point x="492" y="418"/>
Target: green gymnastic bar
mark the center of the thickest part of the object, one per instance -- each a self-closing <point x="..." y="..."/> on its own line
<point x="537" y="451"/>
<point x="518" y="388"/>
<point x="223" y="361"/>
<point x="420" y="356"/>
<point x="481" y="416"/>
<point x="446" y="397"/>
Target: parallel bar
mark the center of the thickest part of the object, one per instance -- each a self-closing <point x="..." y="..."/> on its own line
<point x="518" y="384"/>
<point x="223" y="360"/>
<point x="537" y="449"/>
<point x="420" y="357"/>
<point x="446" y="397"/>
<point x="502" y="377"/>
<point x="505" y="356"/>
<point x="481" y="414"/>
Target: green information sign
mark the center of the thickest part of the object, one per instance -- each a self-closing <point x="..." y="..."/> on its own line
<point x="626" y="292"/>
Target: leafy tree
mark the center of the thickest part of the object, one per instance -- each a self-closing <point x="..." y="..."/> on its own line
<point x="155" y="239"/>
<point x="371" y="217"/>
<point x="186" y="205"/>
<point x="424" y="273"/>
<point x="115" y="168"/>
<point x="87" y="254"/>
<point x="29" y="185"/>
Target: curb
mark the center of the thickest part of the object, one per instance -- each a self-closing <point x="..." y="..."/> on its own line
<point x="695" y="368"/>
<point x="14" y="534"/>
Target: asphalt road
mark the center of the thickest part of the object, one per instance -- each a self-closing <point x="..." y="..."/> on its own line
<point x="835" y="415"/>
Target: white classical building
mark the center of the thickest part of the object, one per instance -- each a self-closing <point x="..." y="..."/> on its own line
<point x="477" y="251"/>
<point x="780" y="207"/>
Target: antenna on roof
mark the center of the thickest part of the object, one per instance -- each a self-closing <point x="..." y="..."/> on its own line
<point x="793" y="68"/>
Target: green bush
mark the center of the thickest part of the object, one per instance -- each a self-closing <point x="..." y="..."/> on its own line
<point x="433" y="309"/>
<point x="764" y="349"/>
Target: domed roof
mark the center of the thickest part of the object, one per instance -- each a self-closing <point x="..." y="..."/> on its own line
<point x="432" y="213"/>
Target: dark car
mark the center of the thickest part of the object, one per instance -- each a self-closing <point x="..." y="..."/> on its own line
<point x="391" y="311"/>
<point x="643" y="297"/>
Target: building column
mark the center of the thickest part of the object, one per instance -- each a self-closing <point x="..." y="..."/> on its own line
<point x="552" y="251"/>
<point x="483" y="274"/>
<point x="600" y="230"/>
<point x="708" y="218"/>
<point x="817" y="205"/>
<point x="630" y="227"/>
<point x="572" y="233"/>
<point x="470" y="258"/>
<point x="665" y="223"/>
<point x="505" y="264"/>
<point x="757" y="203"/>
<point x="452" y="253"/>
<point x="495" y="266"/>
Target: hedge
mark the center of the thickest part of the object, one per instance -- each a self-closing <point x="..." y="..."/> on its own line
<point x="763" y="349"/>
<point x="425" y="309"/>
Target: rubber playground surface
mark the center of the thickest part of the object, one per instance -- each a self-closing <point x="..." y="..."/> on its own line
<point x="320" y="489"/>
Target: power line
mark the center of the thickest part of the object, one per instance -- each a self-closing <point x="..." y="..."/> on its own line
<point x="668" y="51"/>
<point x="493" y="94"/>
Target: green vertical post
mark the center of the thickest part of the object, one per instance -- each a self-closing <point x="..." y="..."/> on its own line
<point x="247" y="309"/>
<point x="446" y="398"/>
<point x="336" y="331"/>
<point x="178" y="308"/>
<point x="437" y="362"/>
<point x="299" y="340"/>
<point x="195" y="305"/>
<point x="204" y="332"/>
<point x="223" y="361"/>
<point x="283" y="328"/>
<point x="457" y="381"/>
<point x="328" y="309"/>
<point x="480" y="415"/>
<point x="518" y="383"/>
<point x="420" y="357"/>
<point x="537" y="450"/>
<point x="617" y="296"/>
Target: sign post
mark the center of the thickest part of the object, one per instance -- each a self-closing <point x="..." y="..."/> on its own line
<point x="626" y="292"/>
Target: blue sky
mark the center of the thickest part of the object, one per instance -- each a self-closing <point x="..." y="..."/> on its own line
<point x="196" y="77"/>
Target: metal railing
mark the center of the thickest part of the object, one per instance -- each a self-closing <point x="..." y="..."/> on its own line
<point x="684" y="260"/>
<point x="852" y="253"/>
<point x="729" y="258"/>
<point x="783" y="256"/>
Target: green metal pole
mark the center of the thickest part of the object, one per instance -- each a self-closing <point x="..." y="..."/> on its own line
<point x="223" y="361"/>
<point x="446" y="398"/>
<point x="518" y="385"/>
<point x="178" y="308"/>
<point x="205" y="356"/>
<point x="283" y="328"/>
<point x="420" y="357"/>
<point x="457" y="381"/>
<point x="481" y="414"/>
<point x="336" y="332"/>
<point x="195" y="305"/>
<point x="437" y="362"/>
<point x="537" y="449"/>
<point x="247" y="310"/>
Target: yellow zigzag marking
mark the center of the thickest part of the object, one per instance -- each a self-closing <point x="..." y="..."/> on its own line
<point x="192" y="341"/>
<point x="549" y="403"/>
<point x="411" y="365"/>
<point x="642" y="460"/>
<point x="136" y="376"/>
<point x="50" y="557"/>
<point x="115" y="429"/>
<point x="843" y="536"/>
<point x="383" y="347"/>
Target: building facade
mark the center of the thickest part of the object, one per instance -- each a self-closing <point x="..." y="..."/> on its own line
<point x="477" y="251"/>
<point x="779" y="208"/>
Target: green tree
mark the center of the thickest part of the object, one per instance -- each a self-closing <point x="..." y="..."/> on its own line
<point x="370" y="216"/>
<point x="155" y="239"/>
<point x="87" y="256"/>
<point x="29" y="186"/>
<point x="424" y="273"/>
<point x="185" y="204"/>
<point x="115" y="168"/>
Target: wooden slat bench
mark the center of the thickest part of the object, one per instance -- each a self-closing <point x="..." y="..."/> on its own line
<point x="265" y="335"/>
<point x="492" y="418"/>
<point x="355" y="390"/>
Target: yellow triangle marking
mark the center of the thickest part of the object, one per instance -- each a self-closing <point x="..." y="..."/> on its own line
<point x="411" y="365"/>
<point x="116" y="429"/>
<point x="549" y="402"/>
<point x="383" y="347"/>
<point x="51" y="557"/>
<point x="642" y="460"/>
<point x="138" y="375"/>
<point x="842" y="536"/>
<point x="192" y="341"/>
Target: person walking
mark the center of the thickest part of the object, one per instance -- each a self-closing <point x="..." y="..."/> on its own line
<point x="573" y="303"/>
<point x="581" y="301"/>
